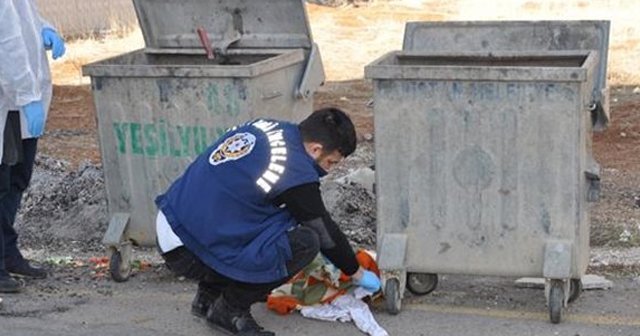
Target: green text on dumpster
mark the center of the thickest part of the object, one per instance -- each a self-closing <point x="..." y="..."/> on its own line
<point x="161" y="139"/>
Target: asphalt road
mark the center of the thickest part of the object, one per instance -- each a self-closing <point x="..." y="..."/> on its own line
<point x="157" y="304"/>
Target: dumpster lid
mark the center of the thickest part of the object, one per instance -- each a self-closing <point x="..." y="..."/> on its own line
<point x="520" y="36"/>
<point x="171" y="26"/>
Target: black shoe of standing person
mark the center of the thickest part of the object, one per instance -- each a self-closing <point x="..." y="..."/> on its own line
<point x="8" y="284"/>
<point x="24" y="268"/>
<point x="203" y="300"/>
<point x="234" y="321"/>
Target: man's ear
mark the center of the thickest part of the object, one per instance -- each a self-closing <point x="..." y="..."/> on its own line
<point x="314" y="149"/>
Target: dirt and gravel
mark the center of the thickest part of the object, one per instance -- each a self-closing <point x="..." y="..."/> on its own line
<point x="64" y="215"/>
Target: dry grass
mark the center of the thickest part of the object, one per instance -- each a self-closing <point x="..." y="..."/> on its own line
<point x="617" y="235"/>
<point x="68" y="70"/>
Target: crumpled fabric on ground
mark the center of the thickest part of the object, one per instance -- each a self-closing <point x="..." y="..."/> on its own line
<point x="347" y="308"/>
<point x="320" y="282"/>
<point x="322" y="292"/>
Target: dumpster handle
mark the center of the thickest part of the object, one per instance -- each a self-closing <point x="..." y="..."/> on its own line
<point x="206" y="43"/>
<point x="313" y="75"/>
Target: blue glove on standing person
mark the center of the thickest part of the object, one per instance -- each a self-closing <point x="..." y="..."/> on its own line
<point x="368" y="281"/>
<point x="34" y="113"/>
<point x="53" y="42"/>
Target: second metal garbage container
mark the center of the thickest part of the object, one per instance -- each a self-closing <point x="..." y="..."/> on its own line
<point x="207" y="66"/>
<point x="483" y="161"/>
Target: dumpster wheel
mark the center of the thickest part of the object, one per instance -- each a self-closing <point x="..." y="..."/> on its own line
<point x="392" y="296"/>
<point x="120" y="269"/>
<point x="556" y="301"/>
<point x="422" y="283"/>
<point x="575" y="289"/>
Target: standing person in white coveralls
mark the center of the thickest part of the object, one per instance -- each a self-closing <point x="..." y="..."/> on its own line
<point x="25" y="95"/>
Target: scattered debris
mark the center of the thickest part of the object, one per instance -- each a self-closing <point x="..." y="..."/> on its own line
<point x="625" y="236"/>
<point x="349" y="198"/>
<point x="364" y="177"/>
<point x="140" y="265"/>
<point x="99" y="267"/>
<point x="353" y="208"/>
<point x="63" y="209"/>
<point x="61" y="261"/>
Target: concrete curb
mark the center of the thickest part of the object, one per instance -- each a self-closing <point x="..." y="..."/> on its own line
<point x="589" y="281"/>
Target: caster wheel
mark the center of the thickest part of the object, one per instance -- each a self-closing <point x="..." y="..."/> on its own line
<point x="576" y="289"/>
<point x="422" y="283"/>
<point x="120" y="269"/>
<point x="392" y="296"/>
<point x="556" y="301"/>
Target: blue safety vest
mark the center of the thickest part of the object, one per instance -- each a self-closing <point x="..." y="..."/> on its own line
<point x="222" y="206"/>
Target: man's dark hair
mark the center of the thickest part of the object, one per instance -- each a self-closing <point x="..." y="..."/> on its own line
<point x="332" y="128"/>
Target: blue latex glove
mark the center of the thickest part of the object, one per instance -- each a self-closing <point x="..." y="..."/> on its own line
<point x="34" y="113"/>
<point x="369" y="281"/>
<point x="53" y="42"/>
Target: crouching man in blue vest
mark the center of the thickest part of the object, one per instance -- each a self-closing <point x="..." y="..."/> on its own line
<point x="247" y="215"/>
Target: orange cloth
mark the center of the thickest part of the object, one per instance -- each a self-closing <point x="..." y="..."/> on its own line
<point x="366" y="261"/>
<point x="282" y="305"/>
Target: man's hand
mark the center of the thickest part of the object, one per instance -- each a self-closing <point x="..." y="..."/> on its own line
<point x="53" y="41"/>
<point x="34" y="113"/>
<point x="367" y="280"/>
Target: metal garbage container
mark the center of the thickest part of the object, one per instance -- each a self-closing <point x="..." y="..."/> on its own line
<point x="207" y="65"/>
<point x="483" y="153"/>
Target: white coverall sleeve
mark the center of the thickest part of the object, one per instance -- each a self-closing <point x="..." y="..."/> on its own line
<point x="43" y="22"/>
<point x="16" y="76"/>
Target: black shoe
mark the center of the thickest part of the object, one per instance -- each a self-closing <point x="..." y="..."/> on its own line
<point x="24" y="269"/>
<point x="9" y="285"/>
<point x="203" y="300"/>
<point x="235" y="322"/>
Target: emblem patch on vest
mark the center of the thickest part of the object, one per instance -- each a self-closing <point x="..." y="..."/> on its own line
<point x="233" y="148"/>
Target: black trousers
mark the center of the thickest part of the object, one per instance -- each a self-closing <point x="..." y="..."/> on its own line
<point x="305" y="245"/>
<point x="14" y="179"/>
